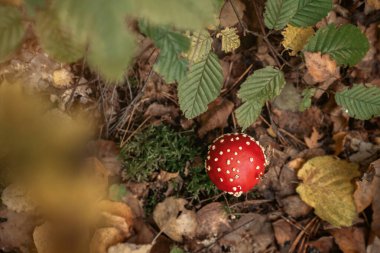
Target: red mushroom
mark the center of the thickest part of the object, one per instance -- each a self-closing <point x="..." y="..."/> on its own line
<point x="235" y="163"/>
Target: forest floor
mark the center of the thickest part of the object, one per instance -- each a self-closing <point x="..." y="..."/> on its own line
<point x="148" y="183"/>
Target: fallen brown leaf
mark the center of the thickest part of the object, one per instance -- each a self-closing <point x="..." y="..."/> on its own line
<point x="284" y="232"/>
<point x="130" y="248"/>
<point x="216" y="116"/>
<point x="321" y="67"/>
<point x="350" y="239"/>
<point x="252" y="234"/>
<point x="312" y="141"/>
<point x="227" y="15"/>
<point x="16" y="231"/>
<point x="363" y="195"/>
<point x="295" y="207"/>
<point x="207" y="227"/>
<point x="376" y="199"/>
<point x="105" y="238"/>
<point x="174" y="219"/>
<point x="323" y="245"/>
<point x="338" y="145"/>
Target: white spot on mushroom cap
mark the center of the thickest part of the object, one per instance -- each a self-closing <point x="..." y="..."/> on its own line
<point x="222" y="140"/>
<point x="221" y="153"/>
<point x="213" y="147"/>
<point x="248" y="143"/>
<point x="257" y="167"/>
<point x="208" y="157"/>
<point x="228" y="150"/>
<point x="221" y="179"/>
<point x="216" y="159"/>
<point x="228" y="162"/>
<point x="238" y="161"/>
<point x="240" y="148"/>
<point x="236" y="176"/>
<point x="236" y="153"/>
<point x="234" y="188"/>
<point x="233" y="169"/>
<point x="237" y="138"/>
<point x="232" y="139"/>
<point x="251" y="159"/>
<point x="208" y="168"/>
<point x="231" y="179"/>
<point x="219" y="169"/>
<point x="228" y="172"/>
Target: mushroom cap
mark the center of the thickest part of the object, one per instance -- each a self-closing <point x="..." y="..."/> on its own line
<point x="235" y="163"/>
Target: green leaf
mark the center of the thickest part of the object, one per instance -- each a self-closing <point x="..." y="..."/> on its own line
<point x="200" y="46"/>
<point x="171" y="44"/>
<point x="309" y="12"/>
<point x="201" y="86"/>
<point x="184" y="14"/>
<point x="278" y="13"/>
<point x="247" y="113"/>
<point x="175" y="249"/>
<point x="346" y="44"/>
<point x="56" y="39"/>
<point x="102" y="25"/>
<point x="11" y="30"/>
<point x="360" y="102"/>
<point x="264" y="84"/>
<point x="307" y="94"/>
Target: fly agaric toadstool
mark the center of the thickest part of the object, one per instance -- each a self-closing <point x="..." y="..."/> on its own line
<point x="235" y="163"/>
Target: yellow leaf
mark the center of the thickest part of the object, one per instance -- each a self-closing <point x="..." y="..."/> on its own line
<point x="230" y="39"/>
<point x="295" y="38"/>
<point x="200" y="46"/>
<point x="328" y="188"/>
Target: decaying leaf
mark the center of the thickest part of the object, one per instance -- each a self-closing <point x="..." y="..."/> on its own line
<point x="130" y="248"/>
<point x="230" y="39"/>
<point x="313" y="140"/>
<point x="17" y="199"/>
<point x="376" y="199"/>
<point x="350" y="240"/>
<point x="174" y="219"/>
<point x="327" y="187"/>
<point x="200" y="46"/>
<point x="16" y="231"/>
<point x="105" y="238"/>
<point x="295" y="38"/>
<point x="374" y="4"/>
<point x="212" y="227"/>
<point x="228" y="16"/>
<point x="251" y="233"/>
<point x="216" y="116"/>
<point x="62" y="78"/>
<point x="321" y="67"/>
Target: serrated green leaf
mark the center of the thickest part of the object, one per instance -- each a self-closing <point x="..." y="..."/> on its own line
<point x="11" y="30"/>
<point x="102" y="25"/>
<point x="264" y="84"/>
<point x="171" y="44"/>
<point x="184" y="14"/>
<point x="201" y="86"/>
<point x="309" y="12"/>
<point x="57" y="40"/>
<point x="200" y="46"/>
<point x="307" y="94"/>
<point x="248" y="112"/>
<point x="346" y="44"/>
<point x="278" y="13"/>
<point x="360" y="102"/>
